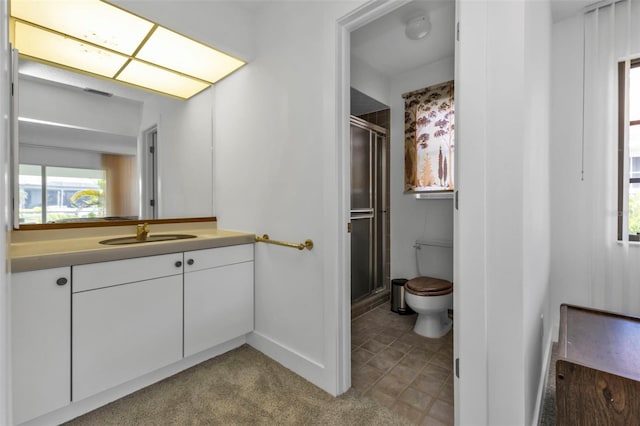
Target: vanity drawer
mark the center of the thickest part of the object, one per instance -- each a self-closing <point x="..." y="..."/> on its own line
<point x="212" y="258"/>
<point x="105" y="274"/>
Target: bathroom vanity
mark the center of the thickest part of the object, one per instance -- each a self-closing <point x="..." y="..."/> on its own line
<point x="102" y="324"/>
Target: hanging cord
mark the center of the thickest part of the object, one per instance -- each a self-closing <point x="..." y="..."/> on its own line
<point x="584" y="87"/>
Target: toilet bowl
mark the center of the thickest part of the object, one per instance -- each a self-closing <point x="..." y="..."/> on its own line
<point x="431" y="298"/>
<point x="430" y="295"/>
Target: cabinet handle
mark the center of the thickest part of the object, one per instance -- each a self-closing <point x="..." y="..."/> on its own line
<point x="190" y="262"/>
<point x="178" y="264"/>
<point x="61" y="281"/>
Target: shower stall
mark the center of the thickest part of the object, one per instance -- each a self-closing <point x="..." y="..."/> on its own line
<point x="369" y="222"/>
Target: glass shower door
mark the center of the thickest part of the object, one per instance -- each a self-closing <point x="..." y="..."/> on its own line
<point x="366" y="230"/>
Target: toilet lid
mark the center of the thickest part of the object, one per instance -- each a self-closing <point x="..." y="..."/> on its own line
<point x="428" y="286"/>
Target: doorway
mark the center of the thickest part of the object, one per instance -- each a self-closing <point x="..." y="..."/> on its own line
<point x="149" y="165"/>
<point x="405" y="207"/>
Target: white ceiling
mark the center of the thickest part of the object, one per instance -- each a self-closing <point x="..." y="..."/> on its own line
<point x="54" y="75"/>
<point x="384" y="45"/>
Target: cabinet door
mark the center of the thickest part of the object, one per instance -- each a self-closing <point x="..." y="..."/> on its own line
<point x="125" y="331"/>
<point x="218" y="305"/>
<point x="41" y="341"/>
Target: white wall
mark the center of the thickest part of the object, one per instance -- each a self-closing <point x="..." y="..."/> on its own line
<point x="184" y="154"/>
<point x="470" y="234"/>
<point x="67" y="127"/>
<point x="503" y="222"/>
<point x="569" y="237"/>
<point x="588" y="266"/>
<point x="504" y="157"/>
<point x="30" y="154"/>
<point x="76" y="108"/>
<point x="5" y="308"/>
<point x="536" y="202"/>
<point x="367" y="80"/>
<point x="411" y="218"/>
<point x="275" y="131"/>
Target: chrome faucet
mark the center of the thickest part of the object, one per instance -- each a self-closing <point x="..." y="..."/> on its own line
<point x="142" y="231"/>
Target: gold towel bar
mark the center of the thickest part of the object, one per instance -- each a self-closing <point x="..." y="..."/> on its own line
<point x="308" y="244"/>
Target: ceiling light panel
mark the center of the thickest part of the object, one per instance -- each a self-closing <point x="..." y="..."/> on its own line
<point x="45" y="45"/>
<point x="91" y="20"/>
<point x="172" y="50"/>
<point x="95" y="37"/>
<point x="161" y="80"/>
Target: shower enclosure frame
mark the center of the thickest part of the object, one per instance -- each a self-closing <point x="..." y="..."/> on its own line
<point x="376" y="213"/>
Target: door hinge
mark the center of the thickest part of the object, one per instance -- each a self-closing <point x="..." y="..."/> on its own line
<point x="152" y="203"/>
<point x="458" y="368"/>
<point x="349" y="227"/>
<point x="152" y="149"/>
<point x="456" y="200"/>
<point x="457" y="31"/>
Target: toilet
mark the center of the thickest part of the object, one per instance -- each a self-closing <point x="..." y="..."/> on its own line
<point x="430" y="294"/>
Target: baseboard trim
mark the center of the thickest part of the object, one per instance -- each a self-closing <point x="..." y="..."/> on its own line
<point x="542" y="383"/>
<point x="78" y="408"/>
<point x="302" y="365"/>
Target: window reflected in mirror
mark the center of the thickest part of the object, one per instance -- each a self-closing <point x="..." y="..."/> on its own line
<point x="66" y="194"/>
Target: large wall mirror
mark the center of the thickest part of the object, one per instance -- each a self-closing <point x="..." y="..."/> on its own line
<point x="94" y="150"/>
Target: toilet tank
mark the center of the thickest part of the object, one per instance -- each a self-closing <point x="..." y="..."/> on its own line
<point x="434" y="258"/>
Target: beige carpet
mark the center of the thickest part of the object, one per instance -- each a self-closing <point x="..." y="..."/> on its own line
<point x="241" y="387"/>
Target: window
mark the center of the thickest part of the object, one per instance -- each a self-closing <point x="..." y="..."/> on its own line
<point x="66" y="194"/>
<point x="629" y="149"/>
<point x="429" y="139"/>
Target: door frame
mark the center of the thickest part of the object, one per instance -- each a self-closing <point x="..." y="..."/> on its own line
<point x="470" y="301"/>
<point x="359" y="17"/>
<point x="149" y="173"/>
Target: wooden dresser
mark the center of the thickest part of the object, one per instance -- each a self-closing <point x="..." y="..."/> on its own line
<point x="598" y="368"/>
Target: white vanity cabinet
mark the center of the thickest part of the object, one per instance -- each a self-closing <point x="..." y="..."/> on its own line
<point x="41" y="341"/>
<point x="127" y="320"/>
<point x="119" y="325"/>
<point x="218" y="296"/>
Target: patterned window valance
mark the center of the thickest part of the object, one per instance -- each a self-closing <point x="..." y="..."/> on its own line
<point x="429" y="139"/>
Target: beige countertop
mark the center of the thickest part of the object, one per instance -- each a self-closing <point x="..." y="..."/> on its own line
<point x="52" y="249"/>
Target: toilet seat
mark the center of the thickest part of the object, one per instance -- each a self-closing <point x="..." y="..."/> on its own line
<point x="428" y="286"/>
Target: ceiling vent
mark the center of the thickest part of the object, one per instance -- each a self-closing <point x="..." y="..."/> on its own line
<point x="97" y="92"/>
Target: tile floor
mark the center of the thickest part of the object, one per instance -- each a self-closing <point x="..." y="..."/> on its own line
<point x="410" y="374"/>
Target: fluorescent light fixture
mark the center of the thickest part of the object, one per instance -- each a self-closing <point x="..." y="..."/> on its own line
<point x="187" y="56"/>
<point x="96" y="37"/>
<point x="93" y="21"/>
<point x="161" y="80"/>
<point x="52" y="47"/>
